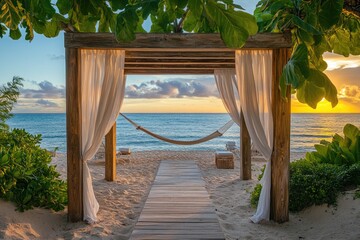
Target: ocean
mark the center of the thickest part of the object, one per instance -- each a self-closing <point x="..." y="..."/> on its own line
<point x="306" y="130"/>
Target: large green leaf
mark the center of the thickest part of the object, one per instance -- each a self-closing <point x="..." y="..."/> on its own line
<point x="10" y="15"/>
<point x="303" y="25"/>
<point x="351" y="132"/>
<point x="297" y="68"/>
<point x="310" y="93"/>
<point x="196" y="7"/>
<point x="329" y="13"/>
<point x="340" y="42"/>
<point x="125" y="25"/>
<point x="64" y="6"/>
<point x="15" y="34"/>
<point x="234" y="26"/>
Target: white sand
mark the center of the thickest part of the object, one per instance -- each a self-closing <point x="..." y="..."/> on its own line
<point x="121" y="203"/>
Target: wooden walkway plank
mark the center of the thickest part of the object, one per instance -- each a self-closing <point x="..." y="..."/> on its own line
<point x="178" y="206"/>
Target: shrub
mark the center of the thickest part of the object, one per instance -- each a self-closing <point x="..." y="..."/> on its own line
<point x="311" y="183"/>
<point x="26" y="177"/>
<point x="324" y="173"/>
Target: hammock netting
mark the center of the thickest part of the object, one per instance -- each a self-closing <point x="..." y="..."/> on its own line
<point x="213" y="135"/>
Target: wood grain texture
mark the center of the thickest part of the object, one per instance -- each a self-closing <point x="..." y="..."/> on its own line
<point x="280" y="159"/>
<point x="245" y="150"/>
<point x="165" y="41"/>
<point x="110" y="154"/>
<point x="73" y="136"/>
<point x="178" y="206"/>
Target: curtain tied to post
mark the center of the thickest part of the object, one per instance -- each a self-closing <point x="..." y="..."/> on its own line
<point x="250" y="92"/>
<point x="102" y="94"/>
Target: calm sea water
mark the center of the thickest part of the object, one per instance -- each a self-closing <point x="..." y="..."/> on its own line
<point x="306" y="130"/>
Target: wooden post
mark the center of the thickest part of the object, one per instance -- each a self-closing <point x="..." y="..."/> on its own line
<point x="110" y="154"/>
<point x="281" y="152"/>
<point x="245" y="149"/>
<point x="73" y="130"/>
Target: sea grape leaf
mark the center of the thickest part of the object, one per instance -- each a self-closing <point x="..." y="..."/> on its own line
<point x="125" y="25"/>
<point x="310" y="93"/>
<point x="190" y="22"/>
<point x="297" y="68"/>
<point x="303" y="25"/>
<point x="15" y="34"/>
<point x="10" y="15"/>
<point x="64" y="6"/>
<point x="51" y="29"/>
<point x="234" y="26"/>
<point x="340" y="42"/>
<point x="196" y="7"/>
<point x="329" y="13"/>
<point x="118" y="4"/>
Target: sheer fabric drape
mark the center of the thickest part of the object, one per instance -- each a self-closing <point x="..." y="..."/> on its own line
<point x="253" y="84"/>
<point x="254" y="72"/>
<point x="226" y="83"/>
<point x="102" y="94"/>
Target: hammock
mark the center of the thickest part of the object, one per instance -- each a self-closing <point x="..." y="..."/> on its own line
<point x="213" y="135"/>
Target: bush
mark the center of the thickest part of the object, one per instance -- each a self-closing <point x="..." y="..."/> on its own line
<point x="323" y="174"/>
<point x="312" y="183"/>
<point x="26" y="177"/>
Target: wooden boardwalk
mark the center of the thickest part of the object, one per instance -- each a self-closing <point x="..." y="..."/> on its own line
<point x="178" y="206"/>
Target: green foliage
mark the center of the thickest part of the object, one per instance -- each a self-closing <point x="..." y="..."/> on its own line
<point x="125" y="18"/>
<point x="341" y="151"/>
<point x="316" y="26"/>
<point x="324" y="173"/>
<point x="26" y="177"/>
<point x="313" y="184"/>
<point x="8" y="96"/>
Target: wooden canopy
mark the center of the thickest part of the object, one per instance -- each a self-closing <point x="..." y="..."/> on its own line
<point x="177" y="54"/>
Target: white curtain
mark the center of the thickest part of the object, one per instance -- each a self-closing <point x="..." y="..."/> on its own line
<point x="253" y="85"/>
<point x="102" y="94"/>
<point x="226" y="83"/>
<point x="254" y="76"/>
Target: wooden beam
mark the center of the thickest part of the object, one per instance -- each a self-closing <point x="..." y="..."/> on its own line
<point x="168" y="71"/>
<point x="168" y="41"/>
<point x="73" y="130"/>
<point x="280" y="159"/>
<point x="110" y="154"/>
<point x="245" y="148"/>
<point x="178" y="66"/>
<point x="180" y="55"/>
<point x="182" y="61"/>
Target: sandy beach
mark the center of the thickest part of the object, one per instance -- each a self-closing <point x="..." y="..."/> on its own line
<point x="121" y="203"/>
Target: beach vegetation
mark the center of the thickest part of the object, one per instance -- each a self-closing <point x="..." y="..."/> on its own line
<point x="315" y="26"/>
<point x="322" y="175"/>
<point x="26" y="176"/>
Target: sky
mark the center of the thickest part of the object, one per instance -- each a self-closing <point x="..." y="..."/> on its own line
<point x="41" y="63"/>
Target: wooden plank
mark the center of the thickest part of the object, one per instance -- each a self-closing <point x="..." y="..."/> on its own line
<point x="182" y="61"/>
<point x="179" y="55"/>
<point x="245" y="149"/>
<point x="185" y="66"/>
<point x="110" y="154"/>
<point x="280" y="159"/>
<point x="73" y="135"/>
<point x="168" y="71"/>
<point x="175" y="237"/>
<point x="177" y="212"/>
<point x="166" y="41"/>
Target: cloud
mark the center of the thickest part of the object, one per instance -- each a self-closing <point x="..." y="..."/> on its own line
<point x="350" y="93"/>
<point x="173" y="88"/>
<point x="46" y="103"/>
<point x="45" y="90"/>
<point x="336" y="61"/>
<point x="56" y="57"/>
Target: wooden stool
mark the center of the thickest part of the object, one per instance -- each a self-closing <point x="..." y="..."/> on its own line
<point x="224" y="160"/>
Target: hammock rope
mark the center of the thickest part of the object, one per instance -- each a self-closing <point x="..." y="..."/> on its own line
<point x="213" y="135"/>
